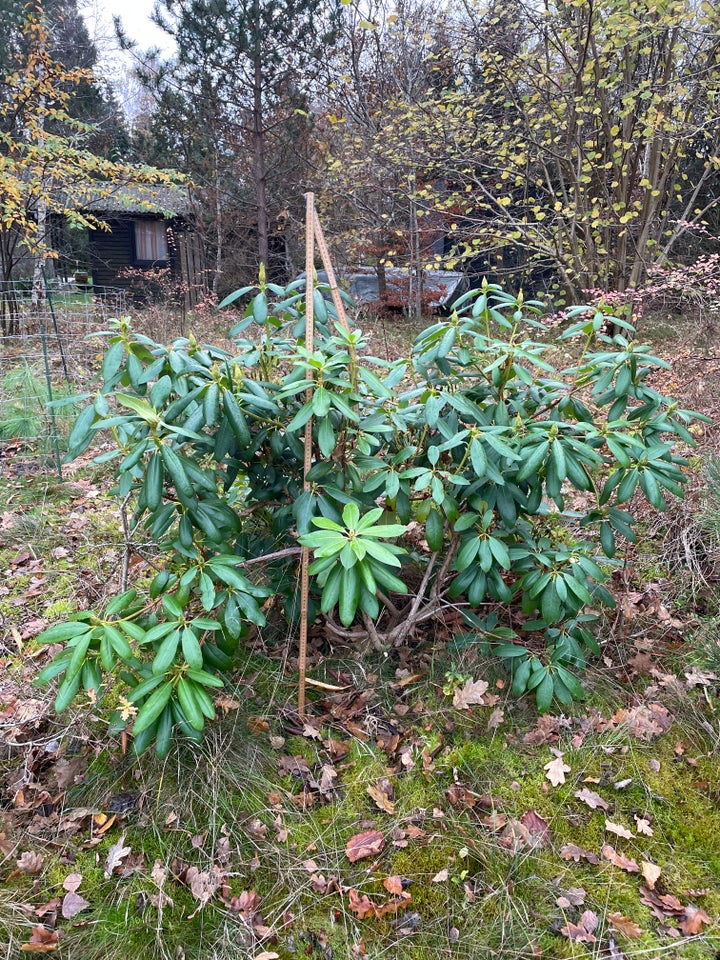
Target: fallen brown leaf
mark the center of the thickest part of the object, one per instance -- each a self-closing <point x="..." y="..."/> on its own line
<point x="72" y="882"/>
<point x="369" y="843"/>
<point x="662" y="905"/>
<point x="41" y="940"/>
<point x="471" y="694"/>
<point x="582" y="932"/>
<point x="625" y="926"/>
<point x="556" y="770"/>
<point x="692" y="920"/>
<point x="116" y="855"/>
<point x="393" y="884"/>
<point x="545" y="731"/>
<point x="651" y="872"/>
<point x="572" y="852"/>
<point x="645" y="721"/>
<point x="246" y="904"/>
<point x="72" y="905"/>
<point x="618" y="830"/>
<point x="257" y="725"/>
<point x="255" y="829"/>
<point x="537" y="826"/>
<point x="643" y="826"/>
<point x="619" y="859"/>
<point x="383" y="795"/>
<point x="574" y="897"/>
<point x="361" y="906"/>
<point x="30" y="862"/>
<point x="592" y="799"/>
<point x="496" y="718"/>
<point x="460" y="797"/>
<point x="392" y="906"/>
<point x="203" y="884"/>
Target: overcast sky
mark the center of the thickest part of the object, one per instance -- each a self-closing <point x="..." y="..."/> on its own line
<point x="135" y="16"/>
<point x="115" y="65"/>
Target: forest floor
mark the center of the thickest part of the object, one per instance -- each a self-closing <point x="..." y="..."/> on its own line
<point x="419" y="810"/>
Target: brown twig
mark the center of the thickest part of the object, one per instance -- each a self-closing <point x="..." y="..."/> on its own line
<point x="442" y="572"/>
<point x="398" y="634"/>
<point x="267" y="557"/>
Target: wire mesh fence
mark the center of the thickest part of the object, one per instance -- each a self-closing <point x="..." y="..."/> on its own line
<point x="47" y="353"/>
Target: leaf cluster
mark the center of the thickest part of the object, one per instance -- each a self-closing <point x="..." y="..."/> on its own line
<point x="517" y="475"/>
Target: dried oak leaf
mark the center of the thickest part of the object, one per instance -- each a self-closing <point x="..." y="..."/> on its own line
<point x="692" y="920"/>
<point x="582" y="931"/>
<point x="441" y="876"/>
<point x="662" y="905"/>
<point x="395" y="884"/>
<point x="544" y="731"/>
<point x="383" y="794"/>
<point x="572" y="852"/>
<point x="204" y="883"/>
<point x="651" y="872"/>
<point x="625" y="926"/>
<point x="472" y="693"/>
<point x="49" y="910"/>
<point x="619" y="859"/>
<point x="496" y="718"/>
<point x="68" y="772"/>
<point x="362" y="906"/>
<point x="556" y="770"/>
<point x="573" y="897"/>
<point x="516" y="836"/>
<point x="318" y="882"/>
<point x="6" y="848"/>
<point x="369" y="843"/>
<point x="460" y="797"/>
<point x="328" y="775"/>
<point x="41" y="940"/>
<point x="392" y="906"/>
<point x="645" y="721"/>
<point x="30" y="862"/>
<point x="618" y="830"/>
<point x="592" y="799"/>
<point x="255" y="829"/>
<point x="116" y="855"/>
<point x="294" y="766"/>
<point x="643" y="826"/>
<point x="246" y="904"/>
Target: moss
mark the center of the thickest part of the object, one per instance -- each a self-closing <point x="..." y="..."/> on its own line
<point x="60" y="608"/>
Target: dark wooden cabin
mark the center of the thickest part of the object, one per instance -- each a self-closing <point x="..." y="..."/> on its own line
<point x="148" y="230"/>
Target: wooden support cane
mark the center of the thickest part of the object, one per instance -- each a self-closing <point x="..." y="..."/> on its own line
<point x="310" y="218"/>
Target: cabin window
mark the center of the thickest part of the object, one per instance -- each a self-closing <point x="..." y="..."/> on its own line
<point x="151" y="244"/>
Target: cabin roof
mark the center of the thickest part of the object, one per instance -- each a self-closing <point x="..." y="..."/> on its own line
<point x="165" y="200"/>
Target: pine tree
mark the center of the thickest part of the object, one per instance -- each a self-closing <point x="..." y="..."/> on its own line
<point x="240" y="79"/>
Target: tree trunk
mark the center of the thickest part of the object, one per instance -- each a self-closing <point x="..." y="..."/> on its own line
<point x="38" y="287"/>
<point x="259" y="168"/>
<point x="218" y="232"/>
<point x="415" y="271"/>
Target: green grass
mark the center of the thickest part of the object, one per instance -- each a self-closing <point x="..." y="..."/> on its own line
<point x="24" y="411"/>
